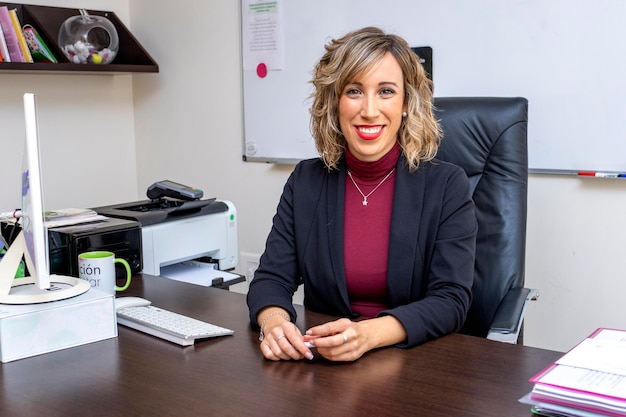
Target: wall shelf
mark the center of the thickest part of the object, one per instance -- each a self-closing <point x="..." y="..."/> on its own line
<point x="131" y="57"/>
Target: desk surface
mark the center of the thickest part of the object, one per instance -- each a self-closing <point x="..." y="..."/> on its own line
<point x="136" y="374"/>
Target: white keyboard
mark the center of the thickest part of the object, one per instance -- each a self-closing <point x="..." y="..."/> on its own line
<point x="168" y="325"/>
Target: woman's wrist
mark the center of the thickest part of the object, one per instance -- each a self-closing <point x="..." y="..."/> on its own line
<point x="267" y="315"/>
<point x="383" y="331"/>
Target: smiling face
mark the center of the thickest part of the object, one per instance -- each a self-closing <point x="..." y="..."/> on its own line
<point x="370" y="110"/>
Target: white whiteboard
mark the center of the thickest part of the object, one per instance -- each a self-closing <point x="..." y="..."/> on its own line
<point x="567" y="57"/>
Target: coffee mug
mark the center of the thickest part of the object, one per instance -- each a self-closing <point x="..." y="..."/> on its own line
<point x="98" y="268"/>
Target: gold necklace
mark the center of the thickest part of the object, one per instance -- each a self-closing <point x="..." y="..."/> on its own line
<point x="371" y="192"/>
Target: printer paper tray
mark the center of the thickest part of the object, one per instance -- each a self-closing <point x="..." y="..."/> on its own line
<point x="196" y="273"/>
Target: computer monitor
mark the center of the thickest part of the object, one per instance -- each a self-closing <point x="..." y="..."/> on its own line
<point x="40" y="286"/>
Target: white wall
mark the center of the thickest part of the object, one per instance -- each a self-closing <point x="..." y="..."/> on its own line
<point x="575" y="257"/>
<point x="188" y="118"/>
<point x="185" y="124"/>
<point x="86" y="129"/>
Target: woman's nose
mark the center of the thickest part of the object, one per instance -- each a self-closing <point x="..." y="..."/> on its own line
<point x="369" y="107"/>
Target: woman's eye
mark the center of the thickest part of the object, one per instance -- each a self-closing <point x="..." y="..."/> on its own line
<point x="352" y="91"/>
<point x="387" y="92"/>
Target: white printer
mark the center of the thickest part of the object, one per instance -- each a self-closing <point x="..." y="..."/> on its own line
<point x="184" y="233"/>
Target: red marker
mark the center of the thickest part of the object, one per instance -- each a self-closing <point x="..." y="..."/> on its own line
<point x="599" y="174"/>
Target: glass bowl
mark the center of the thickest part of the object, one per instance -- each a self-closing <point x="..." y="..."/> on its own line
<point x="88" y="39"/>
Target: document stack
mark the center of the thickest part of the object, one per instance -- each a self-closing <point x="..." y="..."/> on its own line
<point x="589" y="380"/>
<point x="71" y="216"/>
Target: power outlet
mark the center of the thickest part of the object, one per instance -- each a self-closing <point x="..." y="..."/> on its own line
<point x="249" y="263"/>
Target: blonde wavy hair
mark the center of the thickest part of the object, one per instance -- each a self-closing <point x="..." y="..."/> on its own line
<point x="344" y="60"/>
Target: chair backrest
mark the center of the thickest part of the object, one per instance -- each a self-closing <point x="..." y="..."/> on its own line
<point x="487" y="137"/>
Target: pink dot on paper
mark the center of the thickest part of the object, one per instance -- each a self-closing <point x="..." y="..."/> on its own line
<point x="261" y="70"/>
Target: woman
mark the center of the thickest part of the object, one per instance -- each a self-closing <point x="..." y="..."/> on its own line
<point x="376" y="228"/>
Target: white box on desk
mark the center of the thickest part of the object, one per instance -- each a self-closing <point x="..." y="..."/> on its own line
<point x="34" y="329"/>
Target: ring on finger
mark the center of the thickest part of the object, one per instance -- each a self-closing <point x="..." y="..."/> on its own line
<point x="280" y="337"/>
<point x="345" y="338"/>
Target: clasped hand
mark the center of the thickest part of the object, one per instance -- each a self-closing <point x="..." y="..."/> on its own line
<point x="339" y="340"/>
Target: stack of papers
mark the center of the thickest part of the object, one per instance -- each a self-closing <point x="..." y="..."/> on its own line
<point x="71" y="216"/>
<point x="589" y="380"/>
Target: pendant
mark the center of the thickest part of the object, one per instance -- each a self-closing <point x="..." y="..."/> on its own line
<point x="364" y="201"/>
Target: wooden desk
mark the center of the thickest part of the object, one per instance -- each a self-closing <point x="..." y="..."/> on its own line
<point x="139" y="375"/>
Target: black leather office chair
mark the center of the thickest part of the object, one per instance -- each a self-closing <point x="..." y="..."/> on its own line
<point x="487" y="137"/>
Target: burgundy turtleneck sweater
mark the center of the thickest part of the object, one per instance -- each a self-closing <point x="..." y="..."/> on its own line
<point x="366" y="231"/>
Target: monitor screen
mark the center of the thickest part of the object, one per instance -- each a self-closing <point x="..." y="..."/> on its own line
<point x="32" y="199"/>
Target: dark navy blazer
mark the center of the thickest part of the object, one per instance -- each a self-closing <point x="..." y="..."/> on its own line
<point x="431" y="248"/>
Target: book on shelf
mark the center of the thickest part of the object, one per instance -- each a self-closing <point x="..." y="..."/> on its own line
<point x="13" y="46"/>
<point x="21" y="41"/>
<point x="589" y="380"/>
<point x="38" y="48"/>
<point x="4" y="52"/>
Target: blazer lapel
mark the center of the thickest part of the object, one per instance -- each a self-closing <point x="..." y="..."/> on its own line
<point x="335" y="215"/>
<point x="408" y="202"/>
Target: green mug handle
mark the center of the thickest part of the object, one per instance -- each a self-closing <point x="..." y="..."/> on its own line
<point x="128" y="274"/>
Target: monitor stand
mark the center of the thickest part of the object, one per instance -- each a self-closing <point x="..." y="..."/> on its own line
<point x="25" y="290"/>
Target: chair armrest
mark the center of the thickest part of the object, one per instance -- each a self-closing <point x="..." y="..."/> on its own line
<point x="507" y="322"/>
